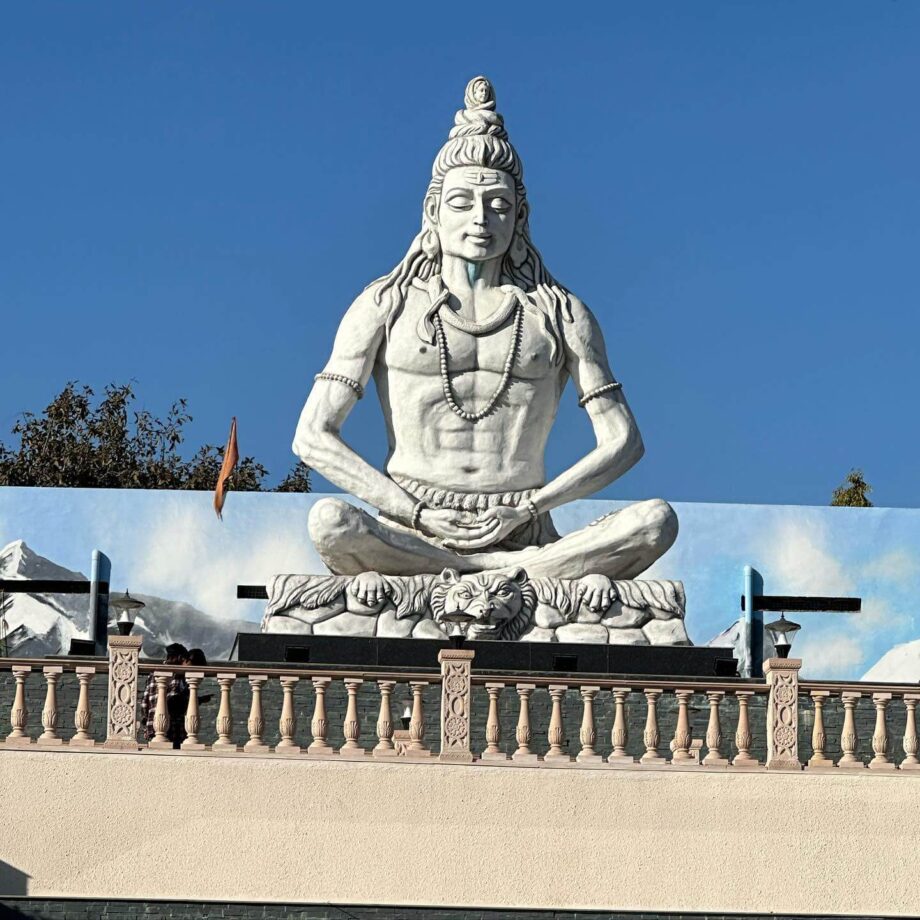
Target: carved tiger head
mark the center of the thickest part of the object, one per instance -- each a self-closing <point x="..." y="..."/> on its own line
<point x="501" y="603"/>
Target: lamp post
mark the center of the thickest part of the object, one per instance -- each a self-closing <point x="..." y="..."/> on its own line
<point x="126" y="606"/>
<point x="782" y="632"/>
<point x="458" y="620"/>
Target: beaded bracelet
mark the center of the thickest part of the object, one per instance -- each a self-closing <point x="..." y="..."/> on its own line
<point x="341" y="378"/>
<point x="598" y="391"/>
<point x="417" y="515"/>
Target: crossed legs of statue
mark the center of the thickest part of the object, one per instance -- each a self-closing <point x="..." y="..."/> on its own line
<point x="620" y="545"/>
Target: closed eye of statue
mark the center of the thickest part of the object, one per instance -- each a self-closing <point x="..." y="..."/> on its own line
<point x="460" y="202"/>
<point x="500" y="205"/>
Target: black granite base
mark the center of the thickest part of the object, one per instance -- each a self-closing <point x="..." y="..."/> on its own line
<point x="422" y="654"/>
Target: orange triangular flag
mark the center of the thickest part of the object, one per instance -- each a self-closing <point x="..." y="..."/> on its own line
<point x="231" y="457"/>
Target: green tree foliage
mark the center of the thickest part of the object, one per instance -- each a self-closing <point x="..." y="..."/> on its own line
<point x="77" y="441"/>
<point x="853" y="493"/>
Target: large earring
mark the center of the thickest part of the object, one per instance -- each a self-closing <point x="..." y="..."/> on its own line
<point x="431" y="245"/>
<point x="518" y="251"/>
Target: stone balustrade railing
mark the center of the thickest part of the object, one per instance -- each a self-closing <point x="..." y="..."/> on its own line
<point x="545" y="720"/>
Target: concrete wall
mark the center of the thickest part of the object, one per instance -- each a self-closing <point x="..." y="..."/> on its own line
<point x="241" y="828"/>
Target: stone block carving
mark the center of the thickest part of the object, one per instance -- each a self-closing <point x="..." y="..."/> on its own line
<point x="122" y="711"/>
<point x="455" y="704"/>
<point x="783" y="713"/>
<point x="503" y="606"/>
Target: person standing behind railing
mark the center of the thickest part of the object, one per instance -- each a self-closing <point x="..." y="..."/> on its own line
<point x="176" y="698"/>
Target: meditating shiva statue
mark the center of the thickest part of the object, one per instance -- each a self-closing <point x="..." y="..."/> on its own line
<point x="471" y="341"/>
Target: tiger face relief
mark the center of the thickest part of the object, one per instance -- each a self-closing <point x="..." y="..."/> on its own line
<point x="501" y="604"/>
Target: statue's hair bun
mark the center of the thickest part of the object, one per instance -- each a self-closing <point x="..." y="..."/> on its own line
<point x="479" y="115"/>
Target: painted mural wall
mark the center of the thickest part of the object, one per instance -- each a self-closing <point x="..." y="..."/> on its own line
<point x="169" y="548"/>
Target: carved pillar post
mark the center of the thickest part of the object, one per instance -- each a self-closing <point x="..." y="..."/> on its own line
<point x="587" y="734"/>
<point x="848" y="737"/>
<point x="783" y="713"/>
<point x="255" y="724"/>
<point x="385" y="746"/>
<point x="287" y="724"/>
<point x="743" y="733"/>
<point x="352" y="727"/>
<point x="681" y="747"/>
<point x="522" y="734"/>
<point x="556" y="734"/>
<point x="121" y="718"/>
<point x="83" y="717"/>
<point x="416" y="746"/>
<point x="619" y="734"/>
<point x="224" y="743"/>
<point x="192" y="717"/>
<point x="650" y="735"/>
<point x="880" y="735"/>
<point x="50" y="711"/>
<point x="456" y="704"/>
<point x="493" y="725"/>
<point x="910" y="761"/>
<point x="19" y="714"/>
<point x="818" y="734"/>
<point x="320" y="724"/>
<point x="714" y="756"/>
<point x="161" y="713"/>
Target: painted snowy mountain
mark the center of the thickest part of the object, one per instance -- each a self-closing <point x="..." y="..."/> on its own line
<point x="43" y="624"/>
<point x="899" y="665"/>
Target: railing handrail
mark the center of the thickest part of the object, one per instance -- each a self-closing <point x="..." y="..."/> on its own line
<point x="635" y="681"/>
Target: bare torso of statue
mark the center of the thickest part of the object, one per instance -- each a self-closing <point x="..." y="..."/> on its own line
<point x="471" y="342"/>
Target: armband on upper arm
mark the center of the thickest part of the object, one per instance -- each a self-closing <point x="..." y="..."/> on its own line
<point x="599" y="391"/>
<point x="341" y="378"/>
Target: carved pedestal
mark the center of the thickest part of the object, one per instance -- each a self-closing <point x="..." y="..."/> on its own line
<point x="456" y="664"/>
<point x="121" y="722"/>
<point x="783" y="713"/>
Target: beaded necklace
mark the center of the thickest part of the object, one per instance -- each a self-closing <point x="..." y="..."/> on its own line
<point x="446" y="387"/>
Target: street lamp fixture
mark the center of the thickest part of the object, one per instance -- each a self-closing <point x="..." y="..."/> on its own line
<point x="782" y="632"/>
<point x="127" y="608"/>
<point x="460" y="622"/>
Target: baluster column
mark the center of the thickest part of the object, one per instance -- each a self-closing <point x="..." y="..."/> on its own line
<point x="650" y="735"/>
<point x="818" y="733"/>
<point x="416" y="747"/>
<point x="848" y="737"/>
<point x="352" y="727"/>
<point x="587" y="734"/>
<point x="493" y="726"/>
<point x="319" y="725"/>
<point x="714" y="756"/>
<point x="19" y="713"/>
<point x="192" y="715"/>
<point x="681" y="746"/>
<point x="50" y="736"/>
<point x="83" y="717"/>
<point x="743" y="734"/>
<point x="619" y="734"/>
<point x="160" y="740"/>
<point x="556" y="733"/>
<point x="385" y="746"/>
<point x="880" y="736"/>
<point x="522" y="734"/>
<point x="224" y="743"/>
<point x="255" y="724"/>
<point x="287" y="723"/>
<point x="910" y="761"/>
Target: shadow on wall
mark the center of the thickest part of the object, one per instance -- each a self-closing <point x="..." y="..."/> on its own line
<point x="12" y="882"/>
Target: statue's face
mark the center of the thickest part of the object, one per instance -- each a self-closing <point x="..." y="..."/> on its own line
<point x="476" y="215"/>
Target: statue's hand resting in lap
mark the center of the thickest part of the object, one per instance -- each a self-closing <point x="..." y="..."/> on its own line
<point x="456" y="528"/>
<point x="488" y="528"/>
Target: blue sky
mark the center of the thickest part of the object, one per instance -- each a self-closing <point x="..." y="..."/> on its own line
<point x="193" y="193"/>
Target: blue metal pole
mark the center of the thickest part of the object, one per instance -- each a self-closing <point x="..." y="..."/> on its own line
<point x="100" y="573"/>
<point x="753" y="624"/>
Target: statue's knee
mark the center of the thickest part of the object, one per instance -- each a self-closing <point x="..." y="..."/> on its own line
<point x="329" y="519"/>
<point x="661" y="520"/>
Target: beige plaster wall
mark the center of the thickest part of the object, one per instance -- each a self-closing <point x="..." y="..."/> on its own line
<point x="266" y="829"/>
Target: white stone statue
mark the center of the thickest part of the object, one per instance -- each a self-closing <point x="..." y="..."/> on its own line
<point x="471" y="342"/>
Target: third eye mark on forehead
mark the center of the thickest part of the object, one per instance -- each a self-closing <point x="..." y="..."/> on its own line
<point x="479" y="176"/>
